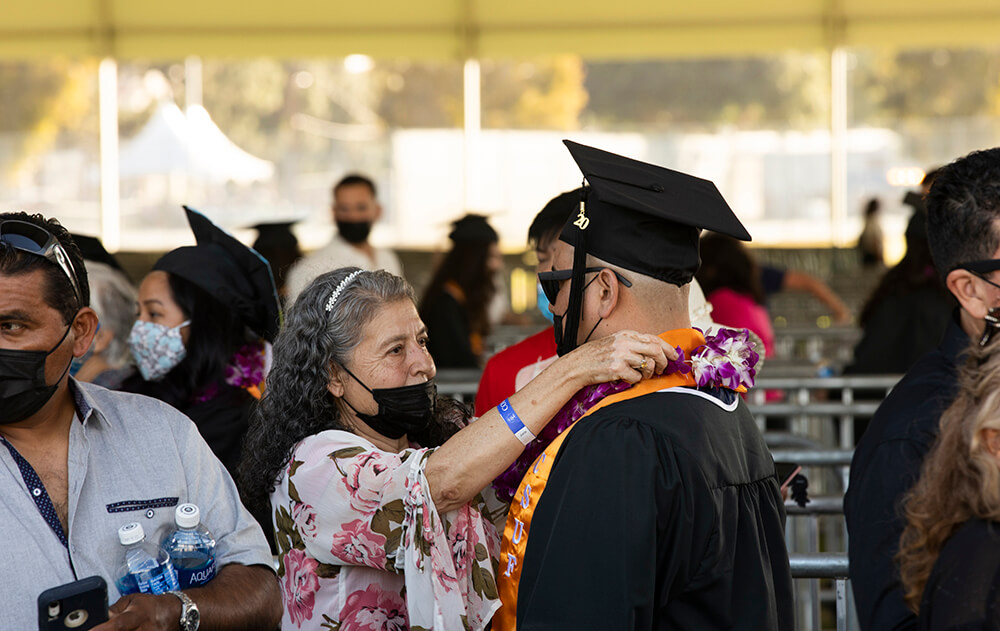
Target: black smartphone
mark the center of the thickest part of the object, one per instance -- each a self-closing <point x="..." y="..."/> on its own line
<point x="786" y="471"/>
<point x="79" y="605"/>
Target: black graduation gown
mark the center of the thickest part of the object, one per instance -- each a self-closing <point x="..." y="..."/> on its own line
<point x="660" y="512"/>
<point x="448" y="333"/>
<point x="886" y="464"/>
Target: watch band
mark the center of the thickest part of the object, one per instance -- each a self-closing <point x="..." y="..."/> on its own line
<point x="190" y="616"/>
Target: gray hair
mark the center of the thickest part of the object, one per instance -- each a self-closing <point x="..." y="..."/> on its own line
<point x="296" y="402"/>
<point x="113" y="297"/>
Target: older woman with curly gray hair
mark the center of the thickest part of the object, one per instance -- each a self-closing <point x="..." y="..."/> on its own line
<point x="375" y="484"/>
<point x="108" y="362"/>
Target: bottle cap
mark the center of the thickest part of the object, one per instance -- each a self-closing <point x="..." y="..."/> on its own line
<point x="131" y="533"/>
<point x="187" y="515"/>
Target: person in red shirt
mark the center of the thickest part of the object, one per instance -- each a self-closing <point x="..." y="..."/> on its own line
<point x="507" y="371"/>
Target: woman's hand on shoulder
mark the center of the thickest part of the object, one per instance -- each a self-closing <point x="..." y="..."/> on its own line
<point x="625" y="355"/>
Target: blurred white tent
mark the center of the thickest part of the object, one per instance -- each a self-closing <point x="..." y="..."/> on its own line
<point x="189" y="143"/>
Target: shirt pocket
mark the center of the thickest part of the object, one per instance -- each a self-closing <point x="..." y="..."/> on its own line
<point x="155" y="515"/>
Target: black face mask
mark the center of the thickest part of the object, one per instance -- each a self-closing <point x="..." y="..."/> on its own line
<point x="565" y="345"/>
<point x="354" y="231"/>
<point x="401" y="411"/>
<point x="23" y="390"/>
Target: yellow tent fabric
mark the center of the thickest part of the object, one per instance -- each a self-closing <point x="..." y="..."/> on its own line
<point x="456" y="29"/>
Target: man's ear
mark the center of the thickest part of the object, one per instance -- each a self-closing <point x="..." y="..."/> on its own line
<point x="378" y="212"/>
<point x="84" y="327"/>
<point x="609" y="290"/>
<point x="967" y="289"/>
<point x="336" y="383"/>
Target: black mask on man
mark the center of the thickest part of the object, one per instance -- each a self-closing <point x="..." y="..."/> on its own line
<point x="23" y="389"/>
<point x="354" y="231"/>
<point x="401" y="411"/>
<point x="564" y="344"/>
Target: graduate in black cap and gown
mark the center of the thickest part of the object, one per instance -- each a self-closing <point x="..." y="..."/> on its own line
<point x="455" y="306"/>
<point x="205" y="312"/>
<point x="659" y="508"/>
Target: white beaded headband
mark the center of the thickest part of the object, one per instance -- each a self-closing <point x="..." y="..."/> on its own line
<point x="336" y="292"/>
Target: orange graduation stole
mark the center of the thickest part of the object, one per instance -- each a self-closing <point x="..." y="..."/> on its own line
<point x="515" y="535"/>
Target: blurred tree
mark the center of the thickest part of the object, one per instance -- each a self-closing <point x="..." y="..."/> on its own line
<point x="46" y="104"/>
<point x="544" y="93"/>
<point x="752" y="92"/>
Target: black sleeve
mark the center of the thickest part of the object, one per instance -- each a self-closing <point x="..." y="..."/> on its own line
<point x="875" y="525"/>
<point x="448" y="334"/>
<point x="597" y="534"/>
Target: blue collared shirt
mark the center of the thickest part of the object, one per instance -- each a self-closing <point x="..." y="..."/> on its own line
<point x="131" y="458"/>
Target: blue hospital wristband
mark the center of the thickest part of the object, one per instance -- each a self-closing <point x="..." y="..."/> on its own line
<point x="514" y="422"/>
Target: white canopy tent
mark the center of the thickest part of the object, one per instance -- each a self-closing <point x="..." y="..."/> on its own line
<point x="189" y="142"/>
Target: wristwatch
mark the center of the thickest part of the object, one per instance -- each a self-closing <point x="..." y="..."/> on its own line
<point x="190" y="616"/>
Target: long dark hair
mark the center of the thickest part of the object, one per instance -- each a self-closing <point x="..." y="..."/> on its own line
<point x="216" y="333"/>
<point x="465" y="265"/>
<point x="915" y="271"/>
<point x="727" y="264"/>
<point x="296" y="402"/>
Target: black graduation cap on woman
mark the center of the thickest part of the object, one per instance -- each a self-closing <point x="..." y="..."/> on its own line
<point x="92" y="249"/>
<point x="640" y="217"/>
<point x="236" y="275"/>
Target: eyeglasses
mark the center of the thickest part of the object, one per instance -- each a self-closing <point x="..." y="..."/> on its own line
<point x="27" y="237"/>
<point x="980" y="267"/>
<point x="992" y="318"/>
<point x="550" y="281"/>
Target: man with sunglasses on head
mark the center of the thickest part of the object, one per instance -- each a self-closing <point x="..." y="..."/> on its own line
<point x="963" y="229"/>
<point x="81" y="461"/>
<point x="658" y="506"/>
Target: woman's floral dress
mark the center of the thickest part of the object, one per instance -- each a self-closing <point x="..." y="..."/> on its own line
<point x="362" y="546"/>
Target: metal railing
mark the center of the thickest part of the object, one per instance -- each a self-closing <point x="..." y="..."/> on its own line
<point x="828" y="566"/>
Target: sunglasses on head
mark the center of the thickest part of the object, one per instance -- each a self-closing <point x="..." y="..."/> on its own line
<point x="550" y="281"/>
<point x="27" y="237"/>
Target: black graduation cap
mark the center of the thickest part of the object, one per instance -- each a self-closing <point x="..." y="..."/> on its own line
<point x="93" y="250"/>
<point x="275" y="235"/>
<point x="646" y="218"/>
<point x="472" y="228"/>
<point x="640" y="217"/>
<point x="235" y="275"/>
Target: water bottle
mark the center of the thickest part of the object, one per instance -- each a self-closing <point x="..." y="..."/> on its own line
<point x="191" y="548"/>
<point x="146" y="568"/>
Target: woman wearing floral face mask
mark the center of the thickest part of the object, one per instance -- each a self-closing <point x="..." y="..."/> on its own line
<point x="204" y="315"/>
<point x="376" y="488"/>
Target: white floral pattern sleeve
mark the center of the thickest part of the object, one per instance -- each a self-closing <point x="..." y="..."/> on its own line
<point x="362" y="546"/>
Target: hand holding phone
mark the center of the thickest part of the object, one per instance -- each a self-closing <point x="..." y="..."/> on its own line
<point x="80" y="605"/>
<point x="786" y="473"/>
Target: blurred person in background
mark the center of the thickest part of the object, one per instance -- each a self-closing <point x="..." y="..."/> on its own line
<point x="908" y="311"/>
<point x="730" y="278"/>
<point x="506" y="372"/>
<point x="963" y="215"/>
<point x="456" y="304"/>
<point x="108" y="361"/>
<point x="949" y="554"/>
<point x="376" y="485"/>
<point x="277" y="243"/>
<point x="205" y="312"/>
<point x="870" y="242"/>
<point x="355" y="210"/>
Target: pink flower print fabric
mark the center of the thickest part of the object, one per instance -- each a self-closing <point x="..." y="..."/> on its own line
<point x="374" y="610"/>
<point x="299" y="587"/>
<point x="357" y="529"/>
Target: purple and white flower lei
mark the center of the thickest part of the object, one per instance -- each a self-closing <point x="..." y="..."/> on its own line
<point x="727" y="359"/>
